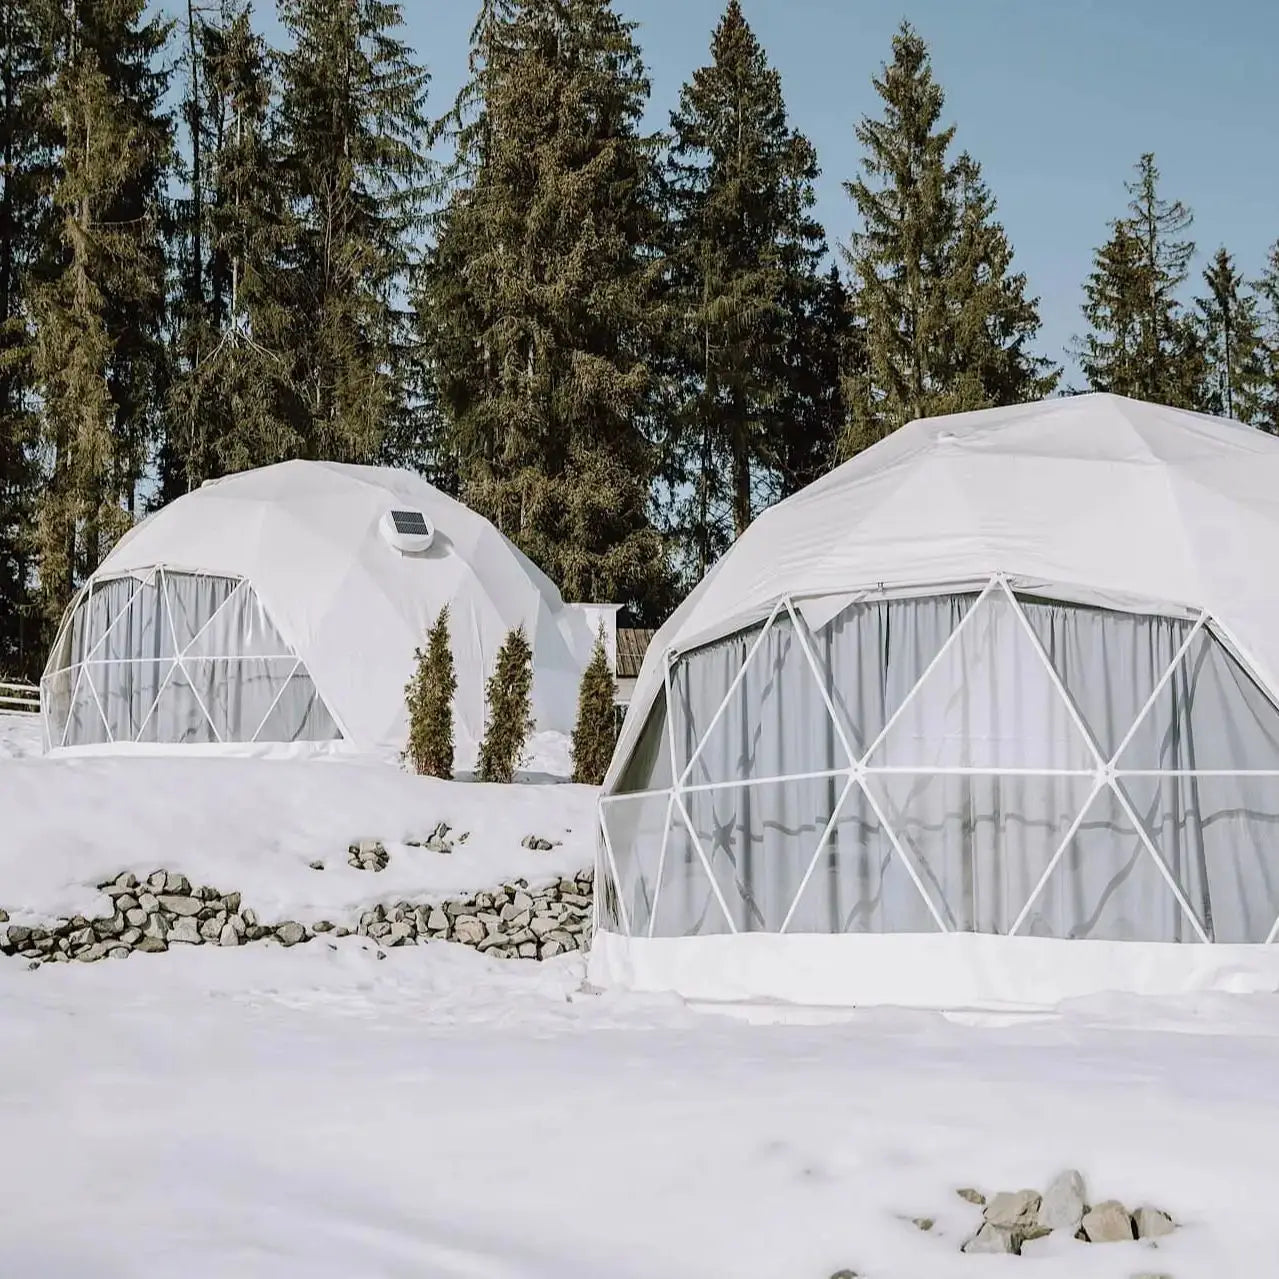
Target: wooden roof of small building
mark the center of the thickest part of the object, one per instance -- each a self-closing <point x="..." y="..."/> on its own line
<point x="632" y="644"/>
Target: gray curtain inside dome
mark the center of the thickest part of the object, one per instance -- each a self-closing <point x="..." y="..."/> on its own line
<point x="178" y="658"/>
<point x="978" y="841"/>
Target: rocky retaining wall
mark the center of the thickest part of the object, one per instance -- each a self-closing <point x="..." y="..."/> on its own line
<point x="511" y="921"/>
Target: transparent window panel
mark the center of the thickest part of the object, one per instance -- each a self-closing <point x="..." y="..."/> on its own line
<point x="239" y="693"/>
<point x="1107" y="886"/>
<point x="55" y="695"/>
<point x="86" y="726"/>
<point x="299" y="715"/>
<point x="760" y="841"/>
<point x="1210" y="715"/>
<point x="686" y="905"/>
<point x="177" y="715"/>
<point x="1220" y="838"/>
<point x="232" y="621"/>
<point x="876" y="651"/>
<point x="127" y="690"/>
<point x="121" y="618"/>
<point x="649" y="765"/>
<point x="980" y="843"/>
<point x="858" y="882"/>
<point x="636" y="828"/>
<point x="192" y="600"/>
<point x="775" y="723"/>
<point x="989" y="702"/>
<point x="607" y="898"/>
<point x="1109" y="662"/>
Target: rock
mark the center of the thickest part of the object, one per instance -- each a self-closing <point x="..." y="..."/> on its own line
<point x="519" y="923"/>
<point x="19" y="936"/>
<point x="379" y="930"/>
<point x="118" y="952"/>
<point x="254" y="932"/>
<point x="211" y="929"/>
<point x="536" y="843"/>
<point x="156" y="880"/>
<point x="4" y="916"/>
<point x="1064" y="1202"/>
<point x="923" y="1223"/>
<point x="250" y="918"/>
<point x="151" y="945"/>
<point x="97" y="951"/>
<point x="550" y="949"/>
<point x="341" y="931"/>
<point x="82" y="937"/>
<point x="229" y="935"/>
<point x="844" y="1274"/>
<point x="156" y="927"/>
<point x="322" y="927"/>
<point x="137" y="917"/>
<point x="181" y="904"/>
<point x="1013" y="1208"/>
<point x="148" y="902"/>
<point x="992" y="1238"/>
<point x="185" y="930"/>
<point x="316" y="865"/>
<point x="543" y="924"/>
<point x="1108" y="1222"/>
<point x="528" y="950"/>
<point x="1152" y="1223"/>
<point x="468" y="929"/>
<point x="231" y="903"/>
<point x="290" y="933"/>
<point x="126" y="902"/>
<point x="178" y="885"/>
<point x="130" y="937"/>
<point x="399" y="934"/>
<point x="437" y="921"/>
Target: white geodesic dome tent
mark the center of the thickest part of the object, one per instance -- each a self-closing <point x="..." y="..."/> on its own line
<point x="278" y="610"/>
<point x="987" y="716"/>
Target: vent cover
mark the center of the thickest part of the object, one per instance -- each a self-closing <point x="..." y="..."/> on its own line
<point x="407" y="531"/>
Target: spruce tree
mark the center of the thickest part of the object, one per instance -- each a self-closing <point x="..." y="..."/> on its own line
<point x="509" y="720"/>
<point x="230" y="406"/>
<point x="25" y="148"/>
<point x="98" y="310"/>
<point x="1231" y="327"/>
<point x="595" y="731"/>
<point x="540" y="300"/>
<point x="745" y="264"/>
<point x="1266" y="412"/>
<point x="352" y="137"/>
<point x="1142" y="341"/>
<point x="429" y="695"/>
<point x="947" y="322"/>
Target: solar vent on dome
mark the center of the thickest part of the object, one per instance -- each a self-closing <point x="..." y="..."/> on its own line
<point x="412" y="523"/>
<point x="410" y="532"/>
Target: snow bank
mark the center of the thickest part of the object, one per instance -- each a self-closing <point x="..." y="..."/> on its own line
<point x="254" y="827"/>
<point x="266" y="1113"/>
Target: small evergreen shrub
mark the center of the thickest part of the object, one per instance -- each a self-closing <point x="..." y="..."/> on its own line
<point x="429" y="695"/>
<point x="594" y="732"/>
<point x="510" y="719"/>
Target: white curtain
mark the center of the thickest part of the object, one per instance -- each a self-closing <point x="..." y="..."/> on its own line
<point x="1019" y="776"/>
<point x="180" y="658"/>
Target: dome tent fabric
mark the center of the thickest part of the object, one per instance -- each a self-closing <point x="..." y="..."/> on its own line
<point x="270" y="609"/>
<point x="986" y="716"/>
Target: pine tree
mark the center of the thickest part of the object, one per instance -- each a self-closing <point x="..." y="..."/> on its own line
<point x="1231" y="328"/>
<point x="98" y="312"/>
<point x="1142" y="342"/>
<point x="510" y="719"/>
<point x="230" y="405"/>
<point x="947" y="321"/>
<point x="745" y="262"/>
<point x="595" y="731"/>
<point x="429" y="695"/>
<point x="25" y="147"/>
<point x="353" y="137"/>
<point x="539" y="302"/>
<point x="1266" y="412"/>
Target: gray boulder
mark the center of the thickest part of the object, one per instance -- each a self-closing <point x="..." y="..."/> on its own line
<point x="468" y="929"/>
<point x="1108" y="1222"/>
<point x="290" y="933"/>
<point x="184" y="930"/>
<point x="1152" y="1223"/>
<point x="1064" y="1202"/>
<point x="992" y="1238"/>
<point x="177" y="885"/>
<point x="229" y="935"/>
<point x="151" y="945"/>
<point x="1013" y="1208"/>
<point x="180" y="904"/>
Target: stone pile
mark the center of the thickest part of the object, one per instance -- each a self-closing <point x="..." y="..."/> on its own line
<point x="511" y="921"/>
<point x="368" y="854"/>
<point x="1013" y="1218"/>
<point x="440" y="840"/>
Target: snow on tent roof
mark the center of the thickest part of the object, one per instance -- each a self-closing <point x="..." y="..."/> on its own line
<point x="313" y="580"/>
<point x="1006" y="672"/>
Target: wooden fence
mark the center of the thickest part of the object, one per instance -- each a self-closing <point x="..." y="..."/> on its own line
<point x="24" y="699"/>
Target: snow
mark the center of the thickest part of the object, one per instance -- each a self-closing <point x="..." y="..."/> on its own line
<point x="263" y="1112"/>
<point x="316" y="1111"/>
<point x="253" y="826"/>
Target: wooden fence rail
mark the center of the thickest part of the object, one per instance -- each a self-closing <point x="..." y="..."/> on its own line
<point x="21" y="698"/>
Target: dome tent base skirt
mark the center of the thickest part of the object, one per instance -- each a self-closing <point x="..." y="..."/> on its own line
<point x="922" y="970"/>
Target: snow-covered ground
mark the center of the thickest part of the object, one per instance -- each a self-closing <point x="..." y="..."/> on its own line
<point x="438" y="1114"/>
<point x="255" y="826"/>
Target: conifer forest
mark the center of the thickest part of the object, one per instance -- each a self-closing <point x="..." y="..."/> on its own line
<point x="219" y="251"/>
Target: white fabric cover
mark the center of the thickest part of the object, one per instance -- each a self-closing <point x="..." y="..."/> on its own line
<point x="1109" y="500"/>
<point x="304" y="536"/>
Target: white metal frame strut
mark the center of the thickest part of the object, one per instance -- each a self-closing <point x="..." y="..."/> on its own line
<point x="1103" y="771"/>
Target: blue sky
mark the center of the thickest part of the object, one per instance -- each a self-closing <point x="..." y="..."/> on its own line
<point x="1056" y="98"/>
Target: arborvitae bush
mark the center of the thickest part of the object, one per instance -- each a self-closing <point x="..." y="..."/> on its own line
<point x="593" y="735"/>
<point x="510" y="719"/>
<point x="430" y="701"/>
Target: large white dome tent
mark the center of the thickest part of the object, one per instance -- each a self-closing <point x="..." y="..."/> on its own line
<point x="278" y="610"/>
<point x="986" y="716"/>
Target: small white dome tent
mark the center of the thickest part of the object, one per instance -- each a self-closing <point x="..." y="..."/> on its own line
<point x="279" y="609"/>
<point x="985" y="717"/>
